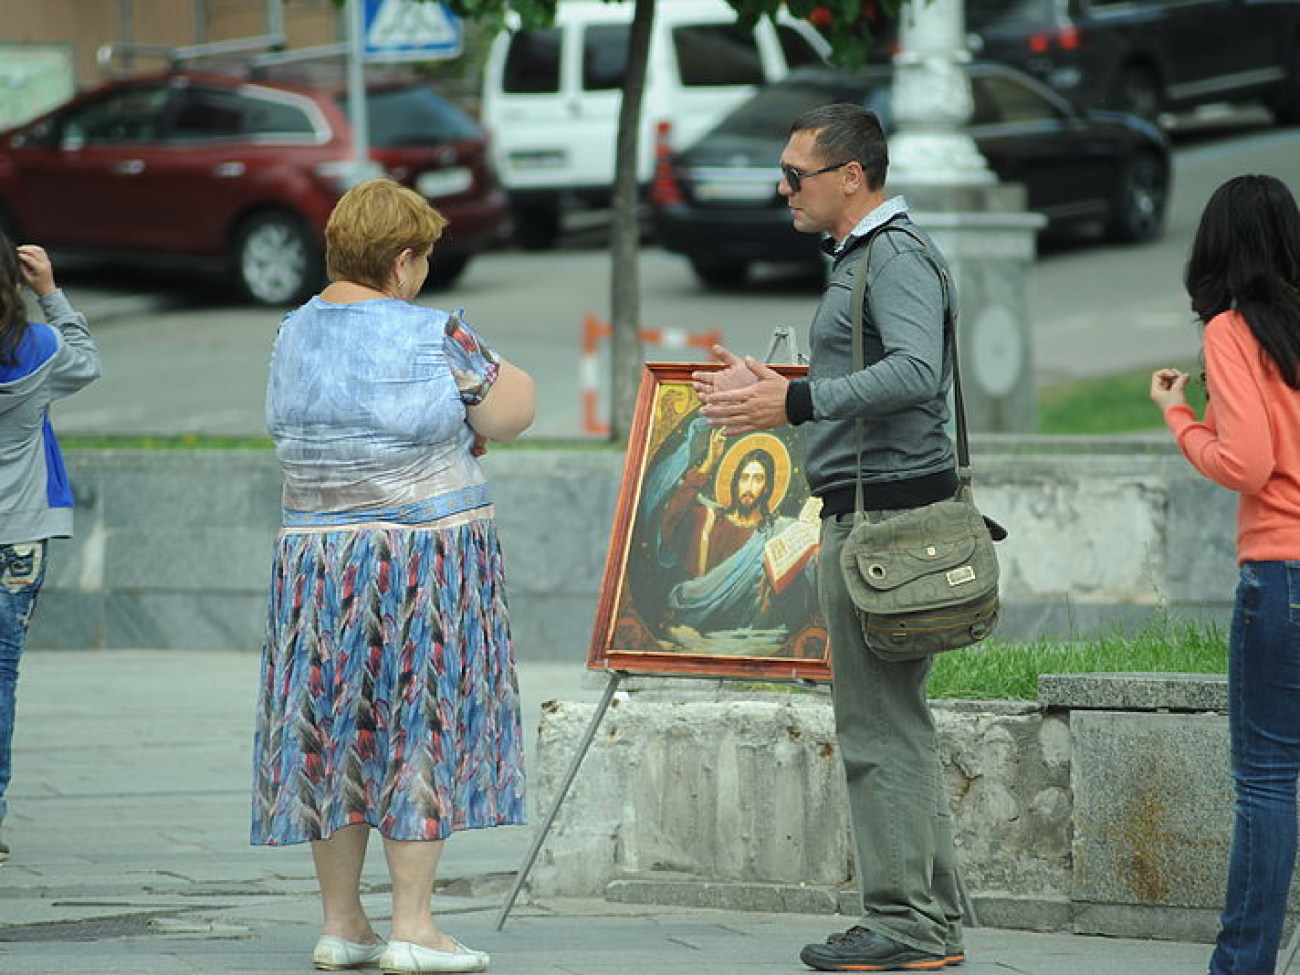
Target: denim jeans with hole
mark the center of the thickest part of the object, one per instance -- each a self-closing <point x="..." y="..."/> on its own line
<point x="1264" y="722"/>
<point x="22" y="570"/>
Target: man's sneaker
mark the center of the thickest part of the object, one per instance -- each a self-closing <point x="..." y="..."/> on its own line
<point x="954" y="955"/>
<point x="860" y="949"/>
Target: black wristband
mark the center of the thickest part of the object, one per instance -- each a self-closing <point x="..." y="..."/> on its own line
<point x="798" y="401"/>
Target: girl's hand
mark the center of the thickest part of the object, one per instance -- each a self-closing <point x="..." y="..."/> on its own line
<point x="35" y="267"/>
<point x="1168" y="388"/>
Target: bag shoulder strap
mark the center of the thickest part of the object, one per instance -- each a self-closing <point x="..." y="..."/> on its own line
<point x="950" y="343"/>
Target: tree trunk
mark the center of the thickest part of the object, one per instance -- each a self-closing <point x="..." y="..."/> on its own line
<point x="625" y="278"/>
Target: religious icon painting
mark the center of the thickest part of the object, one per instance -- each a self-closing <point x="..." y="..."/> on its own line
<point x="712" y="565"/>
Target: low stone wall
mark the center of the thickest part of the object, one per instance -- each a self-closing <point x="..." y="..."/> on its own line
<point x="173" y="547"/>
<point x="1104" y="808"/>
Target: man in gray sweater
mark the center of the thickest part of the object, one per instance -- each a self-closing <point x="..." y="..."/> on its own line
<point x="833" y="179"/>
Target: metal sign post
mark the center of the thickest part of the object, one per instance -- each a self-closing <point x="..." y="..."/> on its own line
<point x="358" y="115"/>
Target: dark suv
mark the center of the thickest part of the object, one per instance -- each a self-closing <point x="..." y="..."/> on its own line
<point x="1149" y="56"/>
<point x="218" y="171"/>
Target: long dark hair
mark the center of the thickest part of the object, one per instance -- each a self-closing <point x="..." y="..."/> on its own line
<point x="13" y="313"/>
<point x="1246" y="256"/>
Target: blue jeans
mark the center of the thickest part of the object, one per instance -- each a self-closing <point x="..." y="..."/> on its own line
<point x="1264" y="721"/>
<point x="22" y="570"/>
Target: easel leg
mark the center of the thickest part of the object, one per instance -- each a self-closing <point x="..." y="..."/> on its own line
<point x="615" y="678"/>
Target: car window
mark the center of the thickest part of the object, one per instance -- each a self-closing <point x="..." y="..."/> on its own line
<point x="266" y="116"/>
<point x="772" y="108"/>
<point x="797" y="49"/>
<point x="208" y="113"/>
<point x="213" y="114"/>
<point x="1002" y="100"/>
<point x="717" y="54"/>
<point x="416" y="116"/>
<point x="533" y="62"/>
<point x="604" y="56"/>
<point x="126" y="116"/>
<point x="1013" y="14"/>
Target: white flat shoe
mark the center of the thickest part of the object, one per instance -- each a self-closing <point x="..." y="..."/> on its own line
<point x="405" y="958"/>
<point x="334" y="954"/>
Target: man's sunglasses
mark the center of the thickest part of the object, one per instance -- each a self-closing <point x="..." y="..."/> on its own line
<point x="795" y="178"/>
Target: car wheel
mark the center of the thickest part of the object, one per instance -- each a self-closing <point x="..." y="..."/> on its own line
<point x="1138" y="91"/>
<point x="275" y="259"/>
<point x="719" y="272"/>
<point x="1138" y="211"/>
<point x="537" y="228"/>
<point x="445" y="271"/>
<point x="1286" y="99"/>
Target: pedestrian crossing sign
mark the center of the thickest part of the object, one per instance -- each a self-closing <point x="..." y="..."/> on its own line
<point x="408" y="30"/>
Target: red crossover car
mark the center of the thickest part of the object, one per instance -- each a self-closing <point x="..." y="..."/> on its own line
<point x="237" y="175"/>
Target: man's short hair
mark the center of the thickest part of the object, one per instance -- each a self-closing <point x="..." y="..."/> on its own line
<point x="847" y="132"/>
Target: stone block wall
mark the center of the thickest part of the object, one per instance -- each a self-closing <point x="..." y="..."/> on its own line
<point x="730" y="799"/>
<point x="1104" y="808"/>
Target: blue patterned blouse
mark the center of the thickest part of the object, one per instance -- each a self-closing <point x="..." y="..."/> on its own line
<point x="366" y="404"/>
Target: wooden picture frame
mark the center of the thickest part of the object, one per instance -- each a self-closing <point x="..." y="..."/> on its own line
<point x="712" y="561"/>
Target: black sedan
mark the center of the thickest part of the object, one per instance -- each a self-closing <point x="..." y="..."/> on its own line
<point x="717" y="203"/>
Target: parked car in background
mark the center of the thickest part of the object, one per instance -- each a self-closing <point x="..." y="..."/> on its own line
<point x="1149" y="56"/>
<point x="551" y="97"/>
<point x="717" y="201"/>
<point x="224" y="173"/>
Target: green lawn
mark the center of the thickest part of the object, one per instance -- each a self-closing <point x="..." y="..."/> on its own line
<point x="1112" y="404"/>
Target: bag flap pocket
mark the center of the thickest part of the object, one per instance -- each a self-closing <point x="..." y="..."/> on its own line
<point x="888" y="569"/>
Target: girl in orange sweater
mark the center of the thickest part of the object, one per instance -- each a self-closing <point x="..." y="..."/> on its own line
<point x="1243" y="277"/>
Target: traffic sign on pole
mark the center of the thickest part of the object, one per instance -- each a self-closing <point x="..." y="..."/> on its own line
<point x="407" y="30"/>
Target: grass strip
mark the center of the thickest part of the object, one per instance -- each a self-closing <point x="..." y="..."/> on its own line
<point x="1010" y="671"/>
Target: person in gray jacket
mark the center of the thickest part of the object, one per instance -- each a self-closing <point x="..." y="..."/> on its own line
<point x="833" y="178"/>
<point x="38" y="364"/>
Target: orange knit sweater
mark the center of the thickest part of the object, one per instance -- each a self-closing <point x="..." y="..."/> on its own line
<point x="1249" y="440"/>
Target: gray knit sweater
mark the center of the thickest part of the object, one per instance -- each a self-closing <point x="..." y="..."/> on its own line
<point x="903" y="391"/>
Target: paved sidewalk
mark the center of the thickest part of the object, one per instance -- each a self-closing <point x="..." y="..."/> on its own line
<point x="129" y="828"/>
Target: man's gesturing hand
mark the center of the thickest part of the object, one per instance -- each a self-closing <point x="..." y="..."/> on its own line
<point x="735" y="375"/>
<point x="740" y="405"/>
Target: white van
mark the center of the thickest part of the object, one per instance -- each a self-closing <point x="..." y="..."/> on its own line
<point x="551" y="97"/>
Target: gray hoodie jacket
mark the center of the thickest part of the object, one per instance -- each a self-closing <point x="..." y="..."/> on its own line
<point x="54" y="360"/>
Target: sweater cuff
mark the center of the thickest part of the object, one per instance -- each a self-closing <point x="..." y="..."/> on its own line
<point x="798" y="401"/>
<point x="55" y="305"/>
<point x="1178" y="417"/>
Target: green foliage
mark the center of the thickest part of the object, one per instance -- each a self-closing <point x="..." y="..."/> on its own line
<point x="1004" y="671"/>
<point x="1110" y="404"/>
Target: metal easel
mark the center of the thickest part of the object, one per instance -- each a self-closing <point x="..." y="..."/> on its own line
<point x="615" y="678"/>
<point x="782" y="335"/>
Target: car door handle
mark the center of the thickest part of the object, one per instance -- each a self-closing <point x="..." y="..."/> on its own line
<point x="228" y="170"/>
<point x="128" y="167"/>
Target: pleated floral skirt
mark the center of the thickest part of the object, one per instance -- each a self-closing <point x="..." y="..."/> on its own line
<point x="388" y="693"/>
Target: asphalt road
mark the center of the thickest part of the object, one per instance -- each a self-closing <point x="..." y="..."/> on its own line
<point x="182" y="358"/>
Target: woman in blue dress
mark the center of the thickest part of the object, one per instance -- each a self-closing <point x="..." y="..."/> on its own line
<point x="388" y="697"/>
